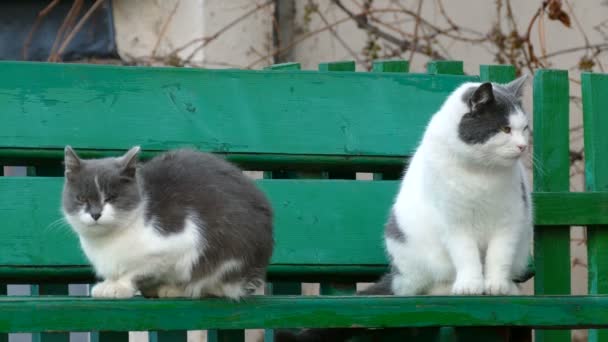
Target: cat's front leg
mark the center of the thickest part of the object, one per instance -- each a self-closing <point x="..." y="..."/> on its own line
<point x="464" y="253"/>
<point x="113" y="289"/>
<point x="499" y="261"/>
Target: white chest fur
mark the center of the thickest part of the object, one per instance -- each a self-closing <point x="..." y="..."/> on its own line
<point x="139" y="249"/>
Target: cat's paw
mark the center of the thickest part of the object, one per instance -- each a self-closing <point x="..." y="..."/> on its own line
<point x="170" y="292"/>
<point x="500" y="286"/>
<point x="468" y="286"/>
<point x="109" y="289"/>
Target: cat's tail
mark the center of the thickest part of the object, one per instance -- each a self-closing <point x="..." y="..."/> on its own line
<point x="382" y="287"/>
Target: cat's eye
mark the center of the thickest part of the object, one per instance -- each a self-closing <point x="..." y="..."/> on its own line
<point x="81" y="199"/>
<point x="110" y="198"/>
<point x="506" y="129"/>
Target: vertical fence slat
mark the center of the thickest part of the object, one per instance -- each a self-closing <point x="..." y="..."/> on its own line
<point x="595" y="107"/>
<point x="445" y="68"/>
<point x="337" y="66"/>
<point x="284" y="66"/>
<point x="497" y="73"/>
<point x="551" y="173"/>
<point x="390" y="65"/>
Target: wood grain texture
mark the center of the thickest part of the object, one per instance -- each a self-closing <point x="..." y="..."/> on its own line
<point x="22" y="314"/>
<point x="595" y="107"/>
<point x="551" y="173"/>
<point x="163" y="108"/>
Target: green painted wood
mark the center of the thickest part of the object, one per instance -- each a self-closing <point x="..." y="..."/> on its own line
<point x="390" y="65"/>
<point x="46" y="290"/>
<point x="22" y="314"/>
<point x="163" y="108"/>
<point x="34" y="235"/>
<point x="284" y="66"/>
<point x="551" y="173"/>
<point x="169" y="336"/>
<point x="337" y="66"/>
<point x="445" y="67"/>
<point x="595" y="106"/>
<point x="497" y="73"/>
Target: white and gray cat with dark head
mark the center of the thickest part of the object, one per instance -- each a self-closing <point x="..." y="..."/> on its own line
<point x="461" y="223"/>
<point x="183" y="224"/>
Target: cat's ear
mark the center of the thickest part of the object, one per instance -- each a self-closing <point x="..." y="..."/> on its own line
<point x="481" y="96"/>
<point x="129" y="162"/>
<point x="71" y="161"/>
<point x="516" y="87"/>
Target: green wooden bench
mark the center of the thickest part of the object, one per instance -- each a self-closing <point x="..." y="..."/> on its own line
<point x="310" y="132"/>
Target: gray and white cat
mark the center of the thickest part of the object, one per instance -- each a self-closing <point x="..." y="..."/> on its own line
<point x="462" y="221"/>
<point x="183" y="224"/>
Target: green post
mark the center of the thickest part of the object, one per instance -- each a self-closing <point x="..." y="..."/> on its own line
<point x="595" y="107"/>
<point x="502" y="73"/>
<point x="551" y="173"/>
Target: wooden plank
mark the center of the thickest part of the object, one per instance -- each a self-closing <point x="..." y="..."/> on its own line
<point x="337" y="66"/>
<point x="34" y="235"/>
<point x="502" y="73"/>
<point x="595" y="106"/>
<point x="445" y="67"/>
<point x="164" y="108"/>
<point x="23" y="314"/>
<point x="284" y="66"/>
<point x="551" y="152"/>
<point x="390" y="65"/>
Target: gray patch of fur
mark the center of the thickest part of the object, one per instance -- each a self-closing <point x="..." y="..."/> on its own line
<point x="391" y="229"/>
<point x="175" y="186"/>
<point x="524" y="196"/>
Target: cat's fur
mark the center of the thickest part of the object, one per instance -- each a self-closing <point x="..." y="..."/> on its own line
<point x="462" y="221"/>
<point x="184" y="224"/>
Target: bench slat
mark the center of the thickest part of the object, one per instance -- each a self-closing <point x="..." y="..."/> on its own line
<point x="230" y="111"/>
<point x="36" y="244"/>
<point x="22" y="314"/>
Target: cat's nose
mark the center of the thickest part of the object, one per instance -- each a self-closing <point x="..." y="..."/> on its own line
<point x="95" y="216"/>
<point x="522" y="147"/>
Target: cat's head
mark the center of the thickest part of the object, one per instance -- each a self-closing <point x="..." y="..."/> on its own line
<point x="100" y="195"/>
<point x="492" y="126"/>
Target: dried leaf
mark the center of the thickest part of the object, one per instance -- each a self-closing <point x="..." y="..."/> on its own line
<point x="556" y="12"/>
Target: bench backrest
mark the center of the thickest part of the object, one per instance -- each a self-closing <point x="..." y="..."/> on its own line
<point x="323" y="126"/>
